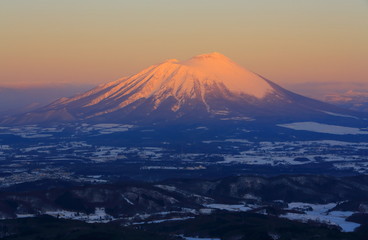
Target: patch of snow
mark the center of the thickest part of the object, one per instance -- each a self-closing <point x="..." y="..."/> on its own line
<point x="163" y="220"/>
<point x="36" y="135"/>
<point x="25" y="215"/>
<point x="237" y="140"/>
<point x="202" y="128"/>
<point x="322" y="213"/>
<point x="228" y="207"/>
<point x="340" y="115"/>
<point x="323" y="128"/>
<point x="127" y="200"/>
<point x="238" y="119"/>
<point x="99" y="216"/>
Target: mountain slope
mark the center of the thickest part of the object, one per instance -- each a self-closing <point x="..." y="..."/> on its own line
<point x="207" y="86"/>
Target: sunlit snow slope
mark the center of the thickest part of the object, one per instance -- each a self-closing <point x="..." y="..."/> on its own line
<point x="207" y="86"/>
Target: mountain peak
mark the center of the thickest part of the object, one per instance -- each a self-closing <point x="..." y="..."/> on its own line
<point x="203" y="59"/>
<point x="206" y="86"/>
<point x="182" y="81"/>
<point x="213" y="55"/>
<point x="205" y="82"/>
<point x="214" y="59"/>
<point x="172" y="60"/>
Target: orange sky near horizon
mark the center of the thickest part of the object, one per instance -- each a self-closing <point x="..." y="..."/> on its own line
<point x="92" y="42"/>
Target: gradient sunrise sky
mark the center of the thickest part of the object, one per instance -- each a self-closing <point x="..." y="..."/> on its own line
<point x="90" y="41"/>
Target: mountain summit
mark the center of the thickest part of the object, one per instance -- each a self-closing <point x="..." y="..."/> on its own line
<point x="182" y="81"/>
<point x="205" y="87"/>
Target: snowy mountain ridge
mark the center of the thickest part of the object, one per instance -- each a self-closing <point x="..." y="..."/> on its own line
<point x="191" y="79"/>
<point x="207" y="86"/>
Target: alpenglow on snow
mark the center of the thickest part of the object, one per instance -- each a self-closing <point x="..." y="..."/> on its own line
<point x="205" y="87"/>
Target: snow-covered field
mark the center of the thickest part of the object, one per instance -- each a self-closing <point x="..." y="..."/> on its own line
<point x="343" y="156"/>
<point x="98" y="216"/>
<point x="309" y="212"/>
<point x="297" y="211"/>
<point x="104" y="128"/>
<point x="34" y="131"/>
<point x="31" y="131"/>
<point x="163" y="220"/>
<point x="322" y="213"/>
<point x="324" y="128"/>
<point x="229" y="207"/>
<point x="340" y="115"/>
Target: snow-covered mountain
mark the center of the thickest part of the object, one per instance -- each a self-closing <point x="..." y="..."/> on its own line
<point x="205" y="87"/>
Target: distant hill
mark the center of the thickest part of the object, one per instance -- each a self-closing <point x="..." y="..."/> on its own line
<point x="353" y="96"/>
<point x="15" y="99"/>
